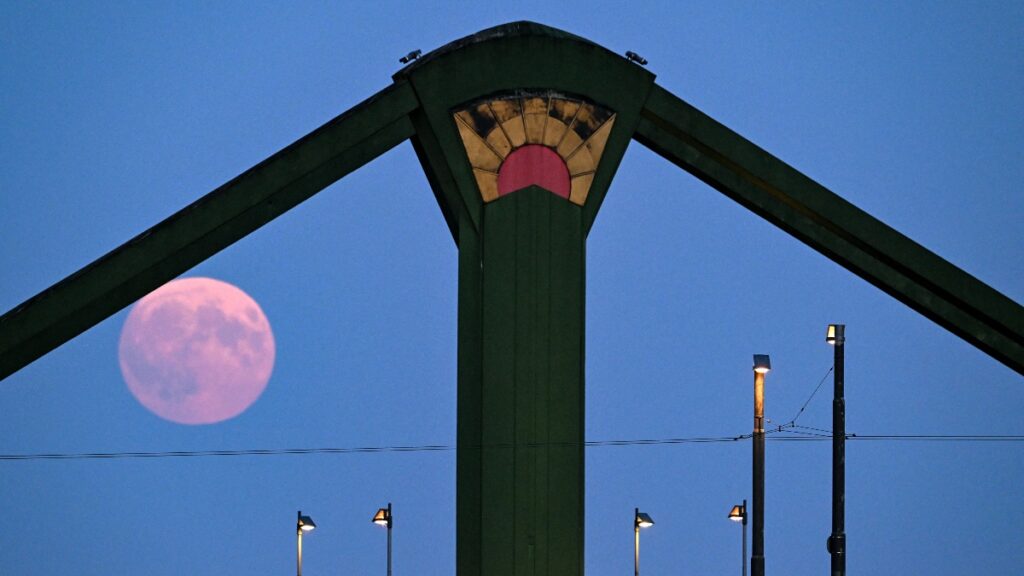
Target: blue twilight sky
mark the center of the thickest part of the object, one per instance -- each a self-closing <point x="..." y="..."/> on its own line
<point x="113" y="116"/>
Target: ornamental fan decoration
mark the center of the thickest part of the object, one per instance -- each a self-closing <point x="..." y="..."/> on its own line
<point x="523" y="138"/>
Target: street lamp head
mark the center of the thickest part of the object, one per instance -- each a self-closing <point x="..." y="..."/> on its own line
<point x="383" y="517"/>
<point x="836" y="334"/>
<point x="762" y="363"/>
<point x="305" y="523"/>
<point x="738" y="513"/>
<point x="643" y="520"/>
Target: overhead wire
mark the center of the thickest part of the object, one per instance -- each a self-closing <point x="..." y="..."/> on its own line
<point x="788" y="432"/>
<point x="792" y="420"/>
<point x="799" y="436"/>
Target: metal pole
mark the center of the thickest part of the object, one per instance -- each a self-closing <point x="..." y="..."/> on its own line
<point x="298" y="529"/>
<point x="389" y="538"/>
<point x="757" y="559"/>
<point x="636" y="542"/>
<point x="744" y="537"/>
<point x="837" y="541"/>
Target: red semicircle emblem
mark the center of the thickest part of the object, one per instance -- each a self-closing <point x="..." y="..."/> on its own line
<point x="534" y="164"/>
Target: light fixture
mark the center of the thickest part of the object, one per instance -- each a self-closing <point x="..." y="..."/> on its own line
<point x="634" y="57"/>
<point x="643" y="520"/>
<point x="739" y="514"/>
<point x="303" y="524"/>
<point x="835" y="334"/>
<point x="836" y="543"/>
<point x="640" y="520"/>
<point x="410" y="56"/>
<point x="384" y="518"/>
<point x="306" y="523"/>
<point x="762" y="363"/>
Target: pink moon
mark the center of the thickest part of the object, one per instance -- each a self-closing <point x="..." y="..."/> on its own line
<point x="196" y="351"/>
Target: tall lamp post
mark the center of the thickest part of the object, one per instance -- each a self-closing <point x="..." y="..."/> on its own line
<point x="640" y="520"/>
<point x="383" y="518"/>
<point x="762" y="365"/>
<point x="739" y="514"/>
<point x="304" y="524"/>
<point x="836" y="336"/>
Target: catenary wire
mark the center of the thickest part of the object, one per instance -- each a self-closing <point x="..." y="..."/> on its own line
<point x="792" y="421"/>
<point x="799" y="437"/>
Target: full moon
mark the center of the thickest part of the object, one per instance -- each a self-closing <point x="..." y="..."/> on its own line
<point x="196" y="351"/>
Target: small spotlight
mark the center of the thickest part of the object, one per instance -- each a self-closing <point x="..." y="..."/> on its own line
<point x="634" y="57"/>
<point x="410" y="56"/>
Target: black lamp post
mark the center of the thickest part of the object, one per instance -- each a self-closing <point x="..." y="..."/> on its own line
<point x="739" y="514"/>
<point x="836" y="544"/>
<point x="762" y="365"/>
<point x="383" y="518"/>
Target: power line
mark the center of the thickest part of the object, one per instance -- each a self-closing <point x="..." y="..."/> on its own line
<point x="355" y="450"/>
<point x="806" y="433"/>
<point x="903" y="438"/>
<point x="829" y="432"/>
<point x="799" y="437"/>
<point x="792" y="420"/>
<point x="202" y="453"/>
<point x="937" y="437"/>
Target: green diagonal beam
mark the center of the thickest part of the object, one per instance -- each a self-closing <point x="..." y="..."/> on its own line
<point x="849" y="236"/>
<point x="677" y="131"/>
<point x="205" y="227"/>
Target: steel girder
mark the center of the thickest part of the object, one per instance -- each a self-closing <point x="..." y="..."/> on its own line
<point x="821" y="219"/>
<point x="677" y="131"/>
<point x="668" y="125"/>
